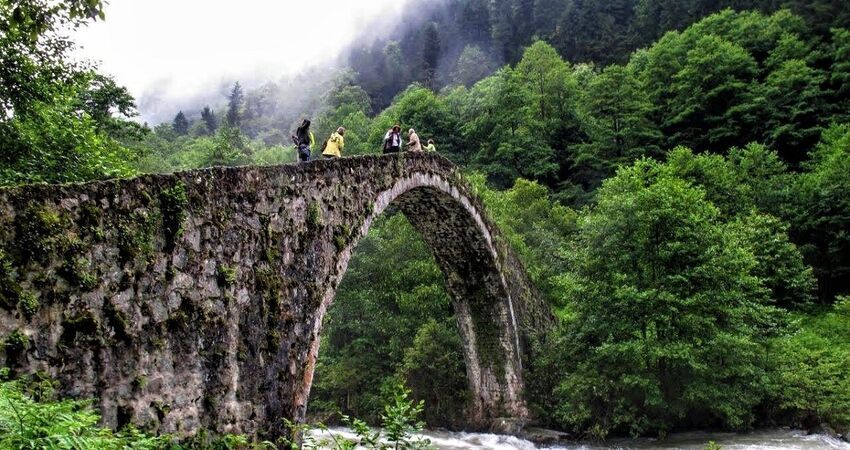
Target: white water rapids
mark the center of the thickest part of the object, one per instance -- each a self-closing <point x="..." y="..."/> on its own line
<point x="779" y="439"/>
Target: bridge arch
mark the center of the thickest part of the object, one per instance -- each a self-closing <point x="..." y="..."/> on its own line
<point x="195" y="300"/>
<point x="463" y="245"/>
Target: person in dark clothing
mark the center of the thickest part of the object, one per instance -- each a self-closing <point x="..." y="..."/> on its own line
<point x="392" y="140"/>
<point x="304" y="141"/>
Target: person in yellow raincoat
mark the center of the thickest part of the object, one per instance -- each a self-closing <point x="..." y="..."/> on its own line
<point x="335" y="144"/>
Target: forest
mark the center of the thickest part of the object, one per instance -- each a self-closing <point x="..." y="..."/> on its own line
<point x="673" y="175"/>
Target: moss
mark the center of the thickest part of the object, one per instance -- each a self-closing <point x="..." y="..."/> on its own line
<point x="170" y="272"/>
<point x="210" y="402"/>
<point x="159" y="343"/>
<point x="314" y="294"/>
<point x="139" y="382"/>
<point x="10" y="291"/>
<point x="38" y="232"/>
<point x="273" y="340"/>
<point x="77" y="271"/>
<point x="147" y="200"/>
<point x="91" y="219"/>
<point x="342" y="236"/>
<point x="225" y="275"/>
<point x="162" y="409"/>
<point x="271" y="242"/>
<point x="314" y="216"/>
<point x="172" y="204"/>
<point x="267" y="280"/>
<point x="27" y="304"/>
<point x="16" y="344"/>
<point x="79" y="326"/>
<point x="136" y="236"/>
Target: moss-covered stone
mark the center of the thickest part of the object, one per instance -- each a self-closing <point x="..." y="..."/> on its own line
<point x="225" y="275"/>
<point x="16" y="344"/>
<point x="118" y="320"/>
<point x="173" y="202"/>
<point x="314" y="216"/>
<point x="10" y="291"/>
<point x="139" y="382"/>
<point x="39" y="232"/>
<point x="27" y="304"/>
<point x="135" y="236"/>
<point x="342" y="236"/>
<point x="80" y="326"/>
<point x="77" y="270"/>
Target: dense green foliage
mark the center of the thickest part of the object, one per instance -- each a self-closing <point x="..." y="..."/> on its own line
<point x="392" y="294"/>
<point x="56" y="117"/>
<point x="32" y="418"/>
<point x="812" y="378"/>
<point x="684" y="209"/>
<point x="582" y="31"/>
<point x="669" y="315"/>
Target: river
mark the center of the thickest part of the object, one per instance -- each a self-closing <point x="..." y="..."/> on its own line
<point x="777" y="439"/>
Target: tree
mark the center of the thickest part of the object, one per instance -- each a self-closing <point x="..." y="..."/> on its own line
<point x="472" y="65"/>
<point x="707" y="93"/>
<point x="110" y="106"/>
<point x="180" y="124"/>
<point x="595" y="30"/>
<point x="235" y="105"/>
<point x="821" y="212"/>
<point x="617" y="119"/>
<point x="669" y="320"/>
<point x="513" y="147"/>
<point x="375" y="318"/>
<point x="434" y="367"/>
<point x="210" y="120"/>
<point x="839" y="76"/>
<point x="794" y="109"/>
<point x="430" y="55"/>
<point x="56" y="116"/>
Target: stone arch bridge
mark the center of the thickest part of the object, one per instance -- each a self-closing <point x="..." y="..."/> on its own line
<point x="195" y="300"/>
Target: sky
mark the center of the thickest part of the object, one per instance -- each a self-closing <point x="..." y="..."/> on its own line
<point x="168" y="51"/>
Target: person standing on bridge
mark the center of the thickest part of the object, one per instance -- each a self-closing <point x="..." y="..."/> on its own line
<point x="413" y="144"/>
<point x="392" y="140"/>
<point x="430" y="147"/>
<point x="304" y="141"/>
<point x="335" y="144"/>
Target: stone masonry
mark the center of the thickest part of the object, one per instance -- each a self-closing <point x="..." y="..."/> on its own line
<point x="195" y="300"/>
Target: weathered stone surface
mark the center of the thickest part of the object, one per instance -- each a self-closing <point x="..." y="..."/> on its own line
<point x="196" y="299"/>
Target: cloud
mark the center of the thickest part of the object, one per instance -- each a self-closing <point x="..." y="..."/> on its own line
<point x="176" y="50"/>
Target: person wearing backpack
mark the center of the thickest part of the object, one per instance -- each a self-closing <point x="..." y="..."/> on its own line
<point x="304" y="141"/>
<point x="335" y="144"/>
<point x="392" y="140"/>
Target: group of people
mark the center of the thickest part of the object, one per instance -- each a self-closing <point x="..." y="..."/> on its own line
<point x="392" y="141"/>
<point x="332" y="148"/>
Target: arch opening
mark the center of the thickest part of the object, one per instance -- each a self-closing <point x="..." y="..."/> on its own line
<point x="462" y="245"/>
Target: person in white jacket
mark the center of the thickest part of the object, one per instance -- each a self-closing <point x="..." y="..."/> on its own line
<point x="392" y="140"/>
